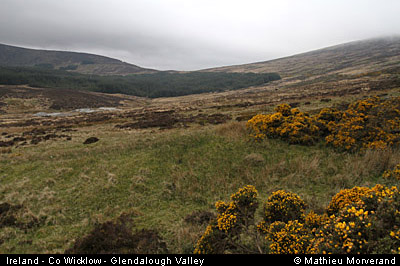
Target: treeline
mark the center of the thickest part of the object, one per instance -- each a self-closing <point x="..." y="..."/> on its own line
<point x="159" y="84"/>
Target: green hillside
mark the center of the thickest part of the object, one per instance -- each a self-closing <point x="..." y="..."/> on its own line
<point x="13" y="56"/>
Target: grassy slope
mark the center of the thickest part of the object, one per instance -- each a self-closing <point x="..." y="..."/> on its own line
<point x="160" y="178"/>
<point x="348" y="58"/>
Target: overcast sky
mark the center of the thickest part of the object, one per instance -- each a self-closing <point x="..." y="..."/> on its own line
<point x="194" y="34"/>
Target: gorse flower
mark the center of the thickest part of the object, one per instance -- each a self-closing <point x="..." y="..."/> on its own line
<point x="371" y="123"/>
<point x="287" y="124"/>
<point x="366" y="124"/>
<point x="289" y="238"/>
<point x="360" y="220"/>
<point x="314" y="221"/>
<point x="227" y="219"/>
<point x="245" y="196"/>
<point x="230" y="222"/>
<point x="392" y="174"/>
<point x="284" y="206"/>
<point x="367" y="225"/>
<point x="203" y="245"/>
<point x="346" y="197"/>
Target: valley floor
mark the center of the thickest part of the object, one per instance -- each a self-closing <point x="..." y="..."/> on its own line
<point x="164" y="163"/>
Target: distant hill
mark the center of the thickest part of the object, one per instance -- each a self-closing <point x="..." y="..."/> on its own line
<point x="372" y="64"/>
<point x="335" y="73"/>
<point x="12" y="56"/>
<point x="350" y="58"/>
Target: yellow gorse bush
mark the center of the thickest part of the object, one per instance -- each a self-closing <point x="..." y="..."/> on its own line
<point x="204" y="244"/>
<point x="288" y="124"/>
<point x="227" y="219"/>
<point x="231" y="221"/>
<point x="346" y="197"/>
<point x="392" y="174"/>
<point x="360" y="220"/>
<point x="284" y="206"/>
<point x="288" y="238"/>
<point x="366" y="226"/>
<point x="371" y="123"/>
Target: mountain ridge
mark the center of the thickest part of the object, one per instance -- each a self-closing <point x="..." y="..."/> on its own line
<point x="87" y="63"/>
<point x="327" y="59"/>
<point x="84" y="63"/>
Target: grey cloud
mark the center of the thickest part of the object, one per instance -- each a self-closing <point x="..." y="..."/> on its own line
<point x="193" y="34"/>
